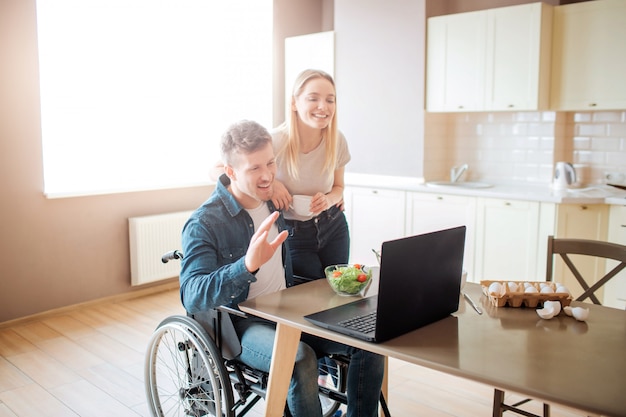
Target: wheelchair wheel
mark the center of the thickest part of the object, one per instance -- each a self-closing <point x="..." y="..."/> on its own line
<point x="332" y="384"/>
<point x="184" y="372"/>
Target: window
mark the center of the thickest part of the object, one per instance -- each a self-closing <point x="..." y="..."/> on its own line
<point x="136" y="93"/>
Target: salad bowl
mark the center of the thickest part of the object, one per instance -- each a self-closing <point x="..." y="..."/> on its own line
<point x="348" y="279"/>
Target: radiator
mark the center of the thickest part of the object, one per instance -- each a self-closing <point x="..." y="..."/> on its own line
<point x="150" y="237"/>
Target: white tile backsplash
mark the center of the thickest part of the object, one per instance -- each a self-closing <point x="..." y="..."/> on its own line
<point x="523" y="146"/>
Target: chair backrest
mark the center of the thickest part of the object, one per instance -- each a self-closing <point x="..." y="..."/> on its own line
<point x="596" y="248"/>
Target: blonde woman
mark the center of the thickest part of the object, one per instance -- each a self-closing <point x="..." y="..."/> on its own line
<point x="311" y="156"/>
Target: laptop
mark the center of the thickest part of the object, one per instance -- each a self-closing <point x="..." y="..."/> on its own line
<point x="419" y="283"/>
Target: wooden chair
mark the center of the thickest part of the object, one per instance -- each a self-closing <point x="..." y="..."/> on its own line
<point x="563" y="248"/>
<point x="596" y="248"/>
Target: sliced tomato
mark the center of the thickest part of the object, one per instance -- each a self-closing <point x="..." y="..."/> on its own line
<point x="336" y="273"/>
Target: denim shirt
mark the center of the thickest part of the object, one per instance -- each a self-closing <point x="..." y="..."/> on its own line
<point x="214" y="243"/>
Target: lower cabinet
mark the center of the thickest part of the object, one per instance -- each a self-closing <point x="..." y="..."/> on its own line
<point x="511" y="239"/>
<point x="581" y="221"/>
<point x="506" y="239"/>
<point x="374" y="216"/>
<point x="615" y="289"/>
<point x="430" y="212"/>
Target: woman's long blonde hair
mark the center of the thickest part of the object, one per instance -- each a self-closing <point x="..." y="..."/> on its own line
<point x="291" y="149"/>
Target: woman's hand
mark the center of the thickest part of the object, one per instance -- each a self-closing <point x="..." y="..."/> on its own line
<point x="320" y="202"/>
<point x="281" y="197"/>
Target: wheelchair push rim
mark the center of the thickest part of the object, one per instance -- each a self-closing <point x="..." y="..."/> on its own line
<point x="184" y="373"/>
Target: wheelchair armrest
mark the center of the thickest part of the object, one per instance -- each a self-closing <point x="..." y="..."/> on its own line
<point x="298" y="279"/>
<point x="233" y="311"/>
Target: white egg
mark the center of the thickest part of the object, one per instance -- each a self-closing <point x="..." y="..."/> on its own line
<point x="513" y="286"/>
<point x="530" y="289"/>
<point x="528" y="284"/>
<point x="568" y="310"/>
<point x="547" y="290"/>
<point x="544" y="285"/>
<point x="562" y="289"/>
<point x="495" y="288"/>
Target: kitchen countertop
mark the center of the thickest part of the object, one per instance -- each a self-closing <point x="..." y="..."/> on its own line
<point x="593" y="194"/>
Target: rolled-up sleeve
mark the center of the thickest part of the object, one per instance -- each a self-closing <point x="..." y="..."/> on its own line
<point x="213" y="272"/>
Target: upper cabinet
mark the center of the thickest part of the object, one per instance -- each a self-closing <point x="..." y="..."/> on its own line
<point x="589" y="58"/>
<point x="496" y="59"/>
<point x="455" y="62"/>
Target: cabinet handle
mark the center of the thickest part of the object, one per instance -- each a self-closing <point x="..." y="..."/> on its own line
<point x="511" y="106"/>
<point x="460" y="107"/>
<point x="439" y="197"/>
<point x="374" y="191"/>
<point x="593" y="104"/>
<point x="507" y="203"/>
<point x="583" y="207"/>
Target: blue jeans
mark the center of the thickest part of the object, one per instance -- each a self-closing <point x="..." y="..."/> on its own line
<point x="365" y="372"/>
<point x="318" y="243"/>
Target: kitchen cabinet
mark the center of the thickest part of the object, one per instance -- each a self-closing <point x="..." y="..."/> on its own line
<point x="455" y="62"/>
<point x="581" y="221"/>
<point x="430" y="212"/>
<point x="374" y="215"/>
<point x="589" y="56"/>
<point x="615" y="289"/>
<point x="519" y="40"/>
<point x="496" y="59"/>
<point x="511" y="239"/>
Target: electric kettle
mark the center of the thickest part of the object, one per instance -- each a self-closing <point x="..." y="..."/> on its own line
<point x="564" y="175"/>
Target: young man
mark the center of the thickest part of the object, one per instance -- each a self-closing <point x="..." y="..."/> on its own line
<point x="234" y="246"/>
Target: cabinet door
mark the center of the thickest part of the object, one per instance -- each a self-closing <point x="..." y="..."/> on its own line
<point x="581" y="221"/>
<point x="455" y="62"/>
<point x="430" y="212"/>
<point x="518" y="57"/>
<point x="615" y="289"/>
<point x="507" y="233"/>
<point x="374" y="215"/>
<point x="589" y="56"/>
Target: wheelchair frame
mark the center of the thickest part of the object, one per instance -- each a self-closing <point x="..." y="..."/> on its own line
<point x="191" y="370"/>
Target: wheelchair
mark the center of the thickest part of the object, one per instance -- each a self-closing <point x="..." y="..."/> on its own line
<point x="191" y="368"/>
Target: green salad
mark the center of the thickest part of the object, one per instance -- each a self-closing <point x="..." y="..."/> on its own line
<point x="348" y="279"/>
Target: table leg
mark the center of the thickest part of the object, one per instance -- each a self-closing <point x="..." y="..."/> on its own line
<point x="384" y="388"/>
<point x="283" y="359"/>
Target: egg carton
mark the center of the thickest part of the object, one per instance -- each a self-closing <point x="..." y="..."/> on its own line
<point x="520" y="297"/>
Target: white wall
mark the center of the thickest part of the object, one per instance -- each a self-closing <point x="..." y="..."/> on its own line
<point x="379" y="72"/>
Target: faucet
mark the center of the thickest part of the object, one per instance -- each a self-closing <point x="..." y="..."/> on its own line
<point x="456" y="172"/>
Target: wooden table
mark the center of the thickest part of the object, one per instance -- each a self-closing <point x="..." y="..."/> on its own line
<point x="564" y="361"/>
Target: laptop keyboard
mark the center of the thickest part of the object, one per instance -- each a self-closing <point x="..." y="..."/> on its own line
<point x="365" y="323"/>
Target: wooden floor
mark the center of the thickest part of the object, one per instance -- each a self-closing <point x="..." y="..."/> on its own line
<point x="88" y="361"/>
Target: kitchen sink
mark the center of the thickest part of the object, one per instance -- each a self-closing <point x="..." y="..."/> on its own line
<point x="459" y="184"/>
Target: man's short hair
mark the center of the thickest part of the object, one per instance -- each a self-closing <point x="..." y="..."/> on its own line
<point x="243" y="137"/>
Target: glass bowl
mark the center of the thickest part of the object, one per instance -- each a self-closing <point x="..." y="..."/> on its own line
<point x="348" y="279"/>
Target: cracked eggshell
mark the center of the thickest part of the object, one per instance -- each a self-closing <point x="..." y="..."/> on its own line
<point x="549" y="310"/>
<point x="580" y="314"/>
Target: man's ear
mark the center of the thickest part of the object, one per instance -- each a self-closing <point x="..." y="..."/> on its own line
<point x="229" y="171"/>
